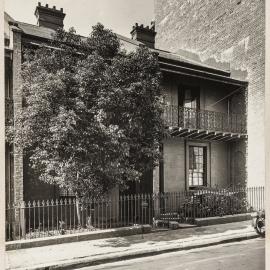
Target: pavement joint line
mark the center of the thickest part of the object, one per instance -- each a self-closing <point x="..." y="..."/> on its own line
<point x="76" y="263"/>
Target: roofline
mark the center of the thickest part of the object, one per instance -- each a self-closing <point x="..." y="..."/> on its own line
<point x="192" y="62"/>
<point x="167" y="64"/>
<point x="174" y="62"/>
<point x="187" y="71"/>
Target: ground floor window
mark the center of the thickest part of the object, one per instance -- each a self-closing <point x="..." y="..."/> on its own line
<point x="64" y="193"/>
<point x="197" y="166"/>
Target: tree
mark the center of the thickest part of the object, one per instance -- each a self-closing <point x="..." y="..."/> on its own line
<point x="91" y="116"/>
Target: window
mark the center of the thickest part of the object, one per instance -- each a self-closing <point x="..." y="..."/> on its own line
<point x="189" y="97"/>
<point x="197" y="166"/>
<point x="189" y="102"/>
<point x="65" y="193"/>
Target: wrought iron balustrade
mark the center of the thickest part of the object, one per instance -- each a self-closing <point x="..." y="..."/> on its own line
<point x="177" y="116"/>
<point x="8" y="111"/>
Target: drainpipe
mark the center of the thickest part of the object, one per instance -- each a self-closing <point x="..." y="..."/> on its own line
<point x="228" y="120"/>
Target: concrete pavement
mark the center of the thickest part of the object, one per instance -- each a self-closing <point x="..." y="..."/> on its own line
<point x="86" y="253"/>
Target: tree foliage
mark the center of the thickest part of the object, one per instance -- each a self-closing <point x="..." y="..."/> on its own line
<point x="91" y="116"/>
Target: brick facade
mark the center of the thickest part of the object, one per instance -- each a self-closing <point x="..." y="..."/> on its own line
<point x="226" y="31"/>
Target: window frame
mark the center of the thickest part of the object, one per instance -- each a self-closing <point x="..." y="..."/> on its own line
<point x="207" y="176"/>
<point x="66" y="194"/>
<point x="194" y="92"/>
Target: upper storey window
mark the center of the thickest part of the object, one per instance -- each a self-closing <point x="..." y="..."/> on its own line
<point x="189" y="97"/>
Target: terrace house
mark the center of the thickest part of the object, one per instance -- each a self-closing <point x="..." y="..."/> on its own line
<point x="204" y="113"/>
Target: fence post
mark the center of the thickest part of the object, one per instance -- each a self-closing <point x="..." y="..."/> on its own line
<point x="156" y="203"/>
<point x="78" y="212"/>
<point x="193" y="210"/>
<point x="22" y="219"/>
<point x="18" y="220"/>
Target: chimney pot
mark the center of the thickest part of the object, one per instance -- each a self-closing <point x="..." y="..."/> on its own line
<point x="153" y="25"/>
<point x="146" y="35"/>
<point x="50" y="17"/>
<point x="39" y="4"/>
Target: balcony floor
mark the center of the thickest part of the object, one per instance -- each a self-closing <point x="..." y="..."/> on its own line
<point x="206" y="135"/>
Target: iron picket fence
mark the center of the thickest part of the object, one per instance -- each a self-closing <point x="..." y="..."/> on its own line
<point x="66" y="216"/>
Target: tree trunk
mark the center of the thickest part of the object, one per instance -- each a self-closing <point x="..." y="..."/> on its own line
<point x="78" y="210"/>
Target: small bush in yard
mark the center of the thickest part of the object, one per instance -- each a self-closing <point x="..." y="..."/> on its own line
<point x="215" y="203"/>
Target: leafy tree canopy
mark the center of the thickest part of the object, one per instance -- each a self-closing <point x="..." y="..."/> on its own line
<point x="91" y="116"/>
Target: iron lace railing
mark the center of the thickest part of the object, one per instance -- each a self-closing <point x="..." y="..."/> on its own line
<point x="39" y="219"/>
<point x="189" y="118"/>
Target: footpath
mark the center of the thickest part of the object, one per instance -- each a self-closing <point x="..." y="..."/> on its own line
<point x="79" y="254"/>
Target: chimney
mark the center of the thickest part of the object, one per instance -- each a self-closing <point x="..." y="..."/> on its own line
<point x="143" y="34"/>
<point x="49" y="17"/>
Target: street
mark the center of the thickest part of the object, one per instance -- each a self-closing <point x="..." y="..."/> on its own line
<point x="245" y="255"/>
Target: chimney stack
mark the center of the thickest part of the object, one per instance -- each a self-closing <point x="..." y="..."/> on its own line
<point x="49" y="17"/>
<point x="143" y="34"/>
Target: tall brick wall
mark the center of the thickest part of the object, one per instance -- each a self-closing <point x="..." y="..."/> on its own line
<point x="228" y="31"/>
<point x="17" y="101"/>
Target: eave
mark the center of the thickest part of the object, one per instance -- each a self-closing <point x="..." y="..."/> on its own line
<point x="198" y="72"/>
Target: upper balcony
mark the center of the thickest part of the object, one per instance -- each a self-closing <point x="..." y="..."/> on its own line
<point x="204" y="124"/>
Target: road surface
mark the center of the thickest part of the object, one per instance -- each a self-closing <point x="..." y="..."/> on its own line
<point x="245" y="255"/>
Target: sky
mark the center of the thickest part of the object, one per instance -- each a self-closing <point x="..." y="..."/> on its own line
<point x="118" y="15"/>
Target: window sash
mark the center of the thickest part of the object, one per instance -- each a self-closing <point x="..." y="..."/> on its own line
<point x="197" y="166"/>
